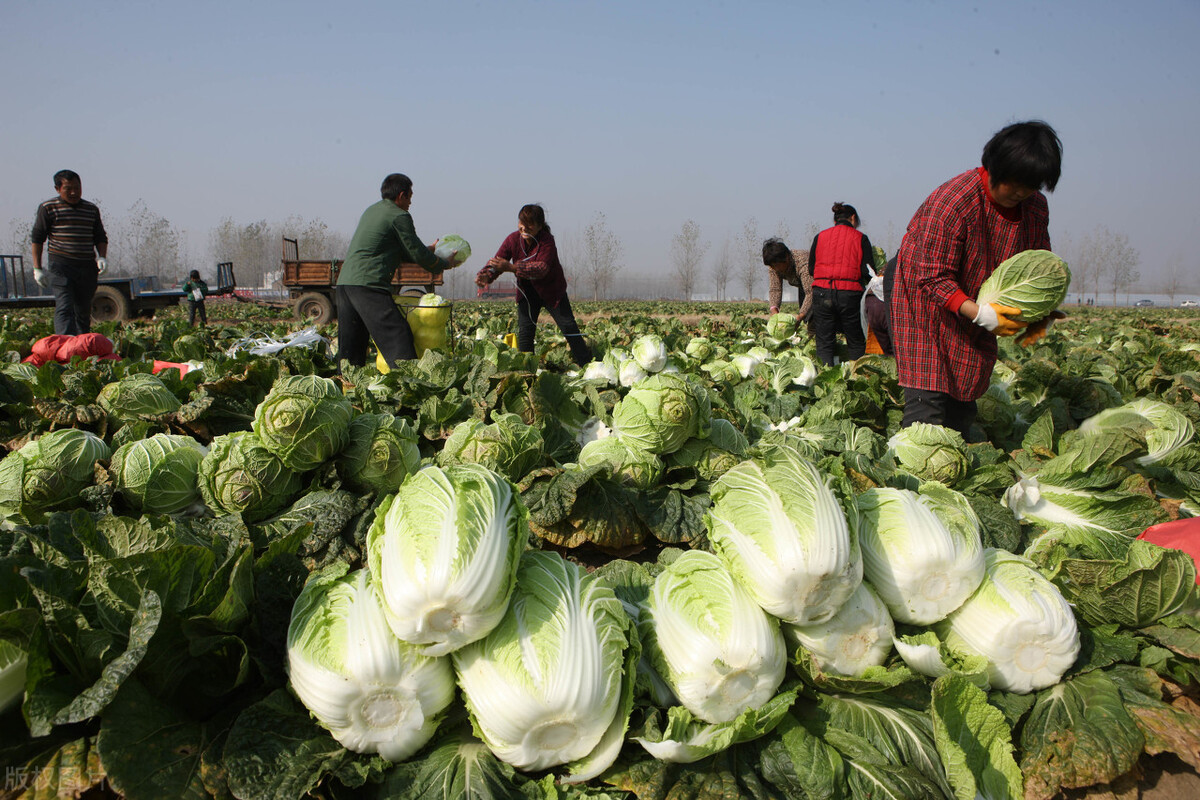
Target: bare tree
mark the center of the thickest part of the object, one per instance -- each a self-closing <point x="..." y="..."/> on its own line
<point x="147" y="244"/>
<point x="251" y="248"/>
<point x="750" y="255"/>
<point x="1086" y="269"/>
<point x="19" y="242"/>
<point x="783" y="231"/>
<point x="314" y="239"/>
<point x="687" y="251"/>
<point x="601" y="260"/>
<point x="722" y="267"/>
<point x="1174" y="283"/>
<point x="1123" y="259"/>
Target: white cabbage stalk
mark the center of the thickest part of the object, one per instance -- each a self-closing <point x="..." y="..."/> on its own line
<point x="858" y="636"/>
<point x="444" y="554"/>
<point x="650" y="352"/>
<point x="1052" y="505"/>
<point x="922" y="567"/>
<point x="1019" y="622"/>
<point x="785" y="537"/>
<point x="718" y="650"/>
<point x="553" y="683"/>
<point x="13" y="664"/>
<point x="630" y="372"/>
<point x="922" y="657"/>
<point x="374" y="693"/>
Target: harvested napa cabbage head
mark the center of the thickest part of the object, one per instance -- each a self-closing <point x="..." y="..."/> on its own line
<point x="13" y="665"/>
<point x="138" y="396"/>
<point x="50" y="471"/>
<point x="699" y="348"/>
<point x="662" y="412"/>
<point x="1035" y="281"/>
<point x="1163" y="427"/>
<point x="158" y="475"/>
<point x="858" y="636"/>
<point x="630" y="372"/>
<point x="629" y="465"/>
<point x="507" y="446"/>
<point x="305" y="420"/>
<point x="443" y="553"/>
<point x="781" y="325"/>
<point x="453" y="248"/>
<point x="718" y="650"/>
<point x="553" y="683"/>
<point x="241" y="476"/>
<point x="373" y="692"/>
<point x="1019" y="622"/>
<point x="380" y="453"/>
<point x="786" y="536"/>
<point x="600" y="371"/>
<point x="931" y="452"/>
<point x="650" y="352"/>
<point x="921" y="552"/>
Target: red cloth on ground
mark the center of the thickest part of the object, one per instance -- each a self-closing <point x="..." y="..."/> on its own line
<point x="63" y="348"/>
<point x="1182" y="534"/>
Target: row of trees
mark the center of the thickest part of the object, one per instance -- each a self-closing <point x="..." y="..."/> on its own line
<point x="143" y="243"/>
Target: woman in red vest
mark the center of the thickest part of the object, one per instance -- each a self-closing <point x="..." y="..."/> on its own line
<point x="839" y="262"/>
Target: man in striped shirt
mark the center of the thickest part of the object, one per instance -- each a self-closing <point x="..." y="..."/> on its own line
<point x="70" y="228"/>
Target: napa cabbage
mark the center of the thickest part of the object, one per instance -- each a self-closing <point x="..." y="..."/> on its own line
<point x="305" y="420"/>
<point x="631" y="465"/>
<point x="381" y="451"/>
<point x="138" y="396"/>
<point x="507" y="445"/>
<point x="661" y="412"/>
<point x="1034" y="281"/>
<point x="158" y="475"/>
<point x="13" y="665"/>
<point x="858" y="636"/>
<point x="650" y="352"/>
<point x="1163" y="427"/>
<point x="240" y="475"/>
<point x="50" y="471"/>
<point x="781" y="325"/>
<point x="931" y="452"/>
<point x="454" y="249"/>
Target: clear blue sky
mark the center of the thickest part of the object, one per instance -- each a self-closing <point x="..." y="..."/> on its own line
<point x="650" y="112"/>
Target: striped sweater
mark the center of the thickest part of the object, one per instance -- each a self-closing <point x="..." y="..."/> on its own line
<point x="72" y="231"/>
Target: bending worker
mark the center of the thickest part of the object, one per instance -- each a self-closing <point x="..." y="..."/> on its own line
<point x="840" y="263"/>
<point x="945" y="342"/>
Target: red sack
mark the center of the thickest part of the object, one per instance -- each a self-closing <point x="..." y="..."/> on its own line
<point x="62" y="348"/>
<point x="159" y="366"/>
<point x="1182" y="534"/>
<point x="46" y="349"/>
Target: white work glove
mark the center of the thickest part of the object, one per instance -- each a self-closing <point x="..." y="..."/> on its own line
<point x="986" y="317"/>
<point x="39" y="277"/>
<point x="1000" y="320"/>
<point x="101" y="265"/>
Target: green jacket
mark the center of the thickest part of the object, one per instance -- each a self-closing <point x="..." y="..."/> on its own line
<point x="385" y="239"/>
<point x="201" y="285"/>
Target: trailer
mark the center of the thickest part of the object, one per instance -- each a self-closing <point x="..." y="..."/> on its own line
<point x="117" y="298"/>
<point x="310" y="284"/>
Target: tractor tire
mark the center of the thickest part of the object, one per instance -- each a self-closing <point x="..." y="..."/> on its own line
<point x="315" y="308"/>
<point x="109" y="305"/>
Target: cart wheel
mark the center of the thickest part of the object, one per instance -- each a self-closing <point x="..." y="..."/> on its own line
<point x="109" y="305"/>
<point x="315" y="308"/>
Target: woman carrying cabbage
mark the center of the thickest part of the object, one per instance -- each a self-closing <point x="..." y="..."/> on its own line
<point x="945" y="341"/>
<point x="530" y="254"/>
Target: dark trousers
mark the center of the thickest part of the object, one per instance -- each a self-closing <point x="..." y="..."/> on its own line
<point x="74" y="285"/>
<point x="366" y="313"/>
<point x="530" y="305"/>
<point x="837" y="311"/>
<point x="938" y="408"/>
<point x="197" y="307"/>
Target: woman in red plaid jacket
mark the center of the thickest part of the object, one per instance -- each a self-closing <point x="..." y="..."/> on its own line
<point x="945" y="342"/>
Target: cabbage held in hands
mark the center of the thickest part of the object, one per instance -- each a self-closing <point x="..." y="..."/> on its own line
<point x="159" y="475"/>
<point x="50" y="471"/>
<point x="443" y="553"/>
<point x="453" y="249"/>
<point x="662" y="412"/>
<point x="1035" y="281"/>
<point x="373" y="692"/>
<point x="305" y="419"/>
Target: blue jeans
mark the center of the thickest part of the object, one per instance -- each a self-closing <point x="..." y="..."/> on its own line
<point x="74" y="285"/>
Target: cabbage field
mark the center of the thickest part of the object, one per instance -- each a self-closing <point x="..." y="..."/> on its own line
<point x="702" y="566"/>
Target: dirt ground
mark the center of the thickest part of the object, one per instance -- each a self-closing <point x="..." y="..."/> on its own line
<point x="1162" y="778"/>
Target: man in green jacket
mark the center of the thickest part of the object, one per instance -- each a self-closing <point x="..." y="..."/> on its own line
<point x="385" y="239"/>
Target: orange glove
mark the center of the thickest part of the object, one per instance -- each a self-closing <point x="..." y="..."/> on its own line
<point x="1038" y="329"/>
<point x="999" y="319"/>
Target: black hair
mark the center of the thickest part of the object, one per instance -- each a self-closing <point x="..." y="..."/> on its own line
<point x="534" y="214"/>
<point x="64" y="175"/>
<point x="1024" y="153"/>
<point x="395" y="185"/>
<point x="774" y="251"/>
<point x="194" y="274"/>
<point x="843" y="212"/>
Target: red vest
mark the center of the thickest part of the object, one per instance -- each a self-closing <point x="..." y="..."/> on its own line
<point x="839" y="259"/>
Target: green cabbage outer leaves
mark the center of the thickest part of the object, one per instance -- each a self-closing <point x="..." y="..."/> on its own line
<point x="374" y="693"/>
<point x="718" y="650"/>
<point x="50" y="471"/>
<point x="13" y="663"/>
<point x="241" y="476"/>
<point x="785" y="536"/>
<point x="699" y="348"/>
<point x="305" y="419"/>
<point x="1019" y="622"/>
<point x="1165" y="428"/>
<point x="444" y="552"/>
<point x="137" y="396"/>
<point x="650" y="352"/>
<point x="931" y="452"/>
<point x="781" y="325"/>
<point x="381" y="452"/>
<point x="924" y="557"/>
<point x="723" y="450"/>
<point x="553" y="683"/>
<point x="879" y="257"/>
<point x="858" y="636"/>
<point x="453" y="248"/>
<point x="662" y="412"/>
<point x="629" y="465"/>
<point x="1035" y="281"/>
<point x="159" y="475"/>
<point x="507" y="446"/>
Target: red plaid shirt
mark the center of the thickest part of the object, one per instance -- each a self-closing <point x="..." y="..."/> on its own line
<point x="954" y="241"/>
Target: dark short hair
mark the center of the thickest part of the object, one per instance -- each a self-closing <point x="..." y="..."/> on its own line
<point x="194" y="275"/>
<point x="1025" y="153"/>
<point x="64" y="175"/>
<point x="395" y="185"/>
<point x="774" y="251"/>
<point x="533" y="214"/>
<point x="843" y="212"/>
